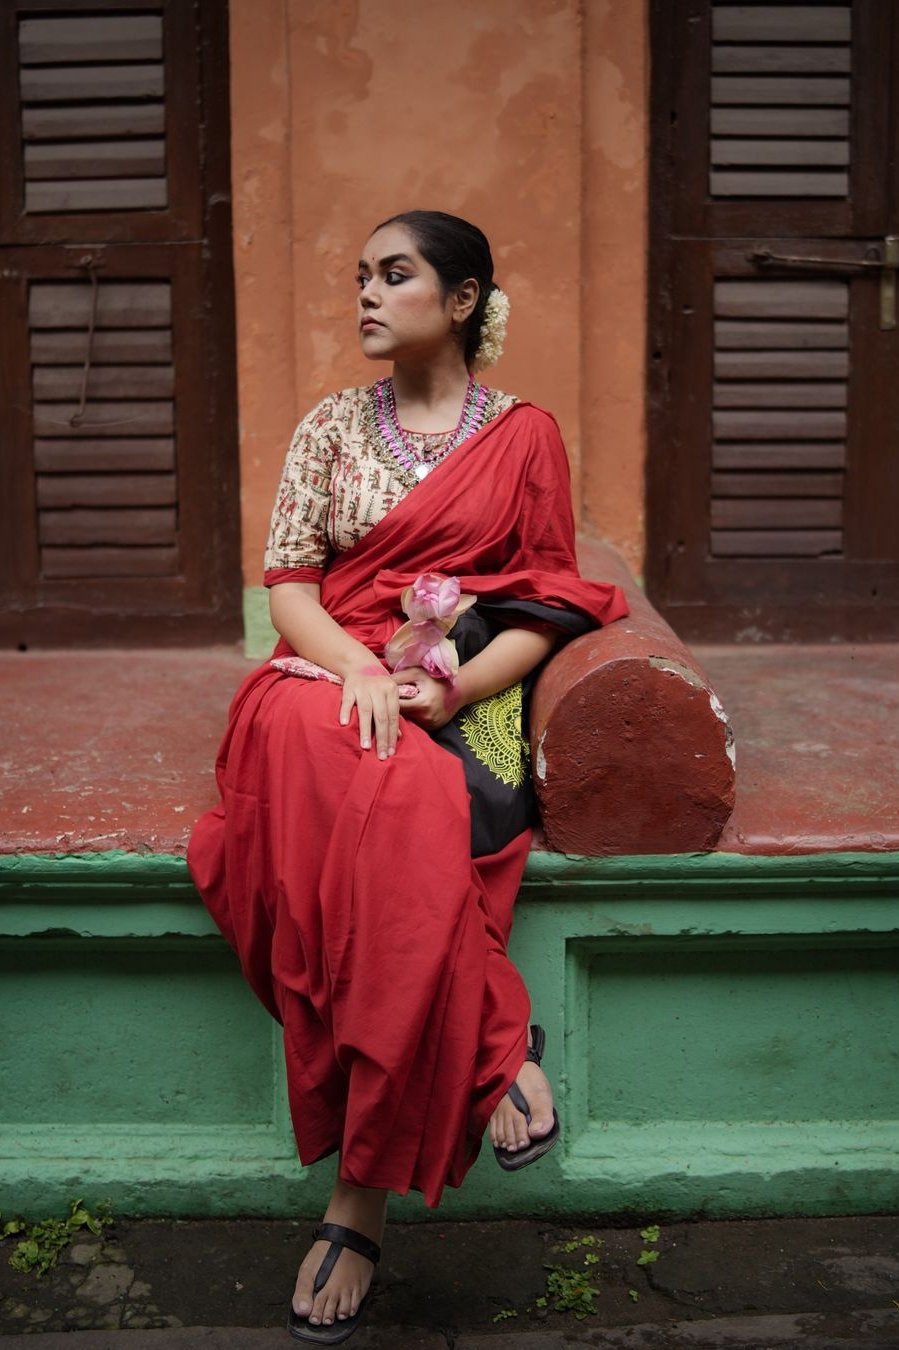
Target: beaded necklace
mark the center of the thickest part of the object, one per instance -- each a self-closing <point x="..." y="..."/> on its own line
<point x="418" y="461"/>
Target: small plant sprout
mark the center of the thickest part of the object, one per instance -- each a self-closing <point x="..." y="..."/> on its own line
<point x="571" y="1291"/>
<point x="587" y="1240"/>
<point x="650" y="1234"/>
<point x="40" y="1244"/>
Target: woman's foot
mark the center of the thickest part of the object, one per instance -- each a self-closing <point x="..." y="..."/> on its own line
<point x="509" y="1129"/>
<point x="355" y="1207"/>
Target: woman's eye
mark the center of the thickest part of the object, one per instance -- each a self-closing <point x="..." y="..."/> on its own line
<point x="394" y="278"/>
<point x="361" y="280"/>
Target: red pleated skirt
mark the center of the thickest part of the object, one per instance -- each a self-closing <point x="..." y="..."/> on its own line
<point x="346" y="886"/>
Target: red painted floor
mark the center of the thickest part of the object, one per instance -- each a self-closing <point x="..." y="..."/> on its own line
<point x="115" y="749"/>
<point x="817" y="737"/>
<point x="110" y="749"/>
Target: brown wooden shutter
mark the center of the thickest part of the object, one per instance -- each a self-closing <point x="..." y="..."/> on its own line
<point x="778" y="418"/>
<point x="107" y="492"/>
<point x="118" y="457"/>
<point x="106" y="156"/>
<point x="773" y="486"/>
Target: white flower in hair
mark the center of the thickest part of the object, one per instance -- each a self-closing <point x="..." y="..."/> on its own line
<point x="493" y="330"/>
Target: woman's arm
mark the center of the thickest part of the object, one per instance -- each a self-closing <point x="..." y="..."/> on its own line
<point x="511" y="655"/>
<point x="299" y="617"/>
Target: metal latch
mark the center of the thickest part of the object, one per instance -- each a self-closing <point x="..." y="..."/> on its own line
<point x="888" y="264"/>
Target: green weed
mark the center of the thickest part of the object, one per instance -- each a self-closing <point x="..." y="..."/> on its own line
<point x="588" y="1240"/>
<point x="570" y="1291"/>
<point x="650" y="1234"/>
<point x="40" y="1244"/>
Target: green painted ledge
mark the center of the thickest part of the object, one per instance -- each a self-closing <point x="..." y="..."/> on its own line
<point x="750" y="1068"/>
<point x="151" y="895"/>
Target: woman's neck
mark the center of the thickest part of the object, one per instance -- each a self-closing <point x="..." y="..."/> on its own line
<point x="429" y="397"/>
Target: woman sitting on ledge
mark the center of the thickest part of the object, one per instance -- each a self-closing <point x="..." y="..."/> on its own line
<point x="376" y="805"/>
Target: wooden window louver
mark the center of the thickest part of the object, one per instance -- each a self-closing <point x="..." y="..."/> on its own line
<point x="779" y="111"/>
<point x="774" y="404"/>
<point x="119" y="452"/>
<point x="779" y="100"/>
<point x="93" y="109"/>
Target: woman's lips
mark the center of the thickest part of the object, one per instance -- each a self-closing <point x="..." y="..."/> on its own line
<point x="368" y="324"/>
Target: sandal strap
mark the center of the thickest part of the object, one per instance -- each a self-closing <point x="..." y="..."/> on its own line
<point x="338" y="1236"/>
<point x="519" y="1101"/>
<point x="534" y="1052"/>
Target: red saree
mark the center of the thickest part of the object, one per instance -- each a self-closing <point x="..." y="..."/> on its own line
<point x="346" y="884"/>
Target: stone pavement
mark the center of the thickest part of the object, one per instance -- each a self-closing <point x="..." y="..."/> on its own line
<point x="819" y="1284"/>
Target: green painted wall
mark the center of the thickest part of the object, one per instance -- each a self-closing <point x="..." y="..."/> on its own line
<point x="723" y="1038"/>
<point x="259" y="637"/>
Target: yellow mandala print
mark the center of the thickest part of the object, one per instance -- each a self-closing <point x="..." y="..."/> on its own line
<point x="492" y="731"/>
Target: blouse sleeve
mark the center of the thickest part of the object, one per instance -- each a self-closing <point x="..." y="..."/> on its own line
<point x="298" y="535"/>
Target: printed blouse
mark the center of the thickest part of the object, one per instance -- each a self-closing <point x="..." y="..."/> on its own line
<point x="340" y="479"/>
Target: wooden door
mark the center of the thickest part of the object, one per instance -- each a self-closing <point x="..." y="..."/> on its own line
<point x="773" y="479"/>
<point x="118" y="450"/>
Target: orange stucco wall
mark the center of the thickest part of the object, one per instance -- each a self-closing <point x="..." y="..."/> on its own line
<point x="528" y="117"/>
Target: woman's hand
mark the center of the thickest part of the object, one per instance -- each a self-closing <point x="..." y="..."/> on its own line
<point x="375" y="696"/>
<point x="435" y="703"/>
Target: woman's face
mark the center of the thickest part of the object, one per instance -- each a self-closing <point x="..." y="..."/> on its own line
<point x="403" y="314"/>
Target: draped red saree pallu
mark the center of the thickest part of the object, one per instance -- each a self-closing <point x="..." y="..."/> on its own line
<point x="346" y="883"/>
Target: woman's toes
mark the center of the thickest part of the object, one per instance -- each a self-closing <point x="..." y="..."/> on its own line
<point x="542" y="1127"/>
<point x="302" y="1297"/>
<point x="330" y="1309"/>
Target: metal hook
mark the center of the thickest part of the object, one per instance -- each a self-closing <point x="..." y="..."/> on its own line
<point x="90" y="265"/>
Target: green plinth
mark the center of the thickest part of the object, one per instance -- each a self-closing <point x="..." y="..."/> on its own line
<point x="722" y="1038"/>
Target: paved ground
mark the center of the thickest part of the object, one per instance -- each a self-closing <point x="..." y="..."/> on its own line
<point x="821" y="1284"/>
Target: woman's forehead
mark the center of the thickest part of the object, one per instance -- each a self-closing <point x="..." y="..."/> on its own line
<point x="387" y="243"/>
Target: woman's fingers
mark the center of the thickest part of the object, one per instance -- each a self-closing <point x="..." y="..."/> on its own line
<point x="347" y="704"/>
<point x="386" y="718"/>
<point x="409" y="675"/>
<point x="376" y="701"/>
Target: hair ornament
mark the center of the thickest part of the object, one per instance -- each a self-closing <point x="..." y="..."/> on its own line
<point x="493" y="330"/>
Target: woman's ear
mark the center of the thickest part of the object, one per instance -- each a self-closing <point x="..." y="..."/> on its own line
<point x="465" y="299"/>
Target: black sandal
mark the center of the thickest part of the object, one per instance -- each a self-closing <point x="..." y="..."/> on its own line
<point x="339" y="1237"/>
<point x="512" y="1161"/>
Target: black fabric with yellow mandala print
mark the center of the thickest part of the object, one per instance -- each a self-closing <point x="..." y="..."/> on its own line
<point x="491" y="736"/>
<point x="492" y="731"/>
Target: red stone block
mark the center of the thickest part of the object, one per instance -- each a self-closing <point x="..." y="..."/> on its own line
<point x="632" y="751"/>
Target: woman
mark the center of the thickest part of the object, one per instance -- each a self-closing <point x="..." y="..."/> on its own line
<point x="375" y="816"/>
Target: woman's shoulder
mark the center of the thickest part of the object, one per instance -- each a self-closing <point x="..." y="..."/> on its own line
<point x="339" y="405"/>
<point x="331" y="420"/>
<point x="538" y="418"/>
